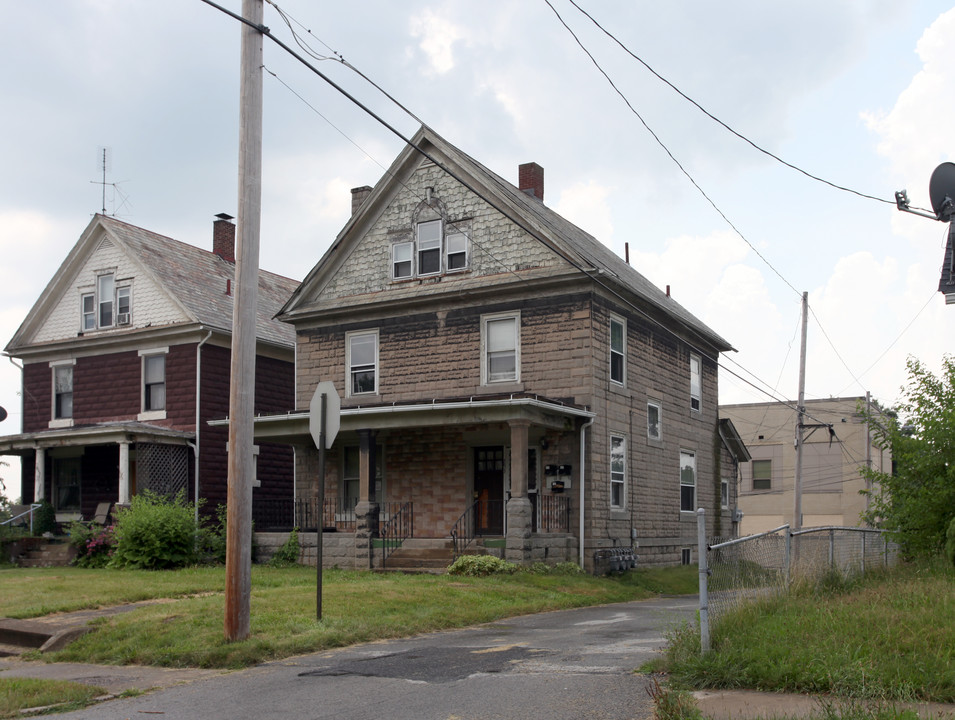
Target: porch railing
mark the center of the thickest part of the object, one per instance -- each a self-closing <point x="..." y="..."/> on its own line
<point x="396" y="526"/>
<point x="281" y="515"/>
<point x="25" y="510"/>
<point x="553" y="514"/>
<point x="482" y="518"/>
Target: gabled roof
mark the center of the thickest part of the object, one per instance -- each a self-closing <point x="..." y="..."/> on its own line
<point x="733" y="441"/>
<point x="576" y="246"/>
<point x="195" y="279"/>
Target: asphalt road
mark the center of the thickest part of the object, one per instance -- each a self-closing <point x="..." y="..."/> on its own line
<point x="553" y="666"/>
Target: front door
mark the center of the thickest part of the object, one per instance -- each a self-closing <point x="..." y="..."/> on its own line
<point x="489" y="490"/>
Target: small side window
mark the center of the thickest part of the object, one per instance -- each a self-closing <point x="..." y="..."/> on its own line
<point x="457" y="251"/>
<point x="401" y="255"/>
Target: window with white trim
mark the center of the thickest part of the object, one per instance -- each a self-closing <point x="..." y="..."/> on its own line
<point x="109" y="305"/>
<point x="654" y="428"/>
<point x="618" y="470"/>
<point x="362" y="362"/>
<point x="435" y="249"/>
<point x="725" y="494"/>
<point x="154" y="383"/>
<point x="501" y="348"/>
<point x="696" y="385"/>
<point x="687" y="481"/>
<point x="618" y="350"/>
<point x="62" y="392"/>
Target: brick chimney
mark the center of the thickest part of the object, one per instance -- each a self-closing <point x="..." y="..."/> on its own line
<point x="530" y="180"/>
<point x="358" y="197"/>
<point x="223" y="237"/>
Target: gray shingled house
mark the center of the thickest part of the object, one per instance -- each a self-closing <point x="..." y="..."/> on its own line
<point x="508" y="384"/>
<point x="126" y="356"/>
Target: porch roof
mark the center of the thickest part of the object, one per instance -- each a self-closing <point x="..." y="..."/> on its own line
<point x="293" y="427"/>
<point x="95" y="434"/>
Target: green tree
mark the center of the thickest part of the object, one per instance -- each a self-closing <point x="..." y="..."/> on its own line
<point x="916" y="503"/>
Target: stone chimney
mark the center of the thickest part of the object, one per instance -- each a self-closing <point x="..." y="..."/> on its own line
<point x="530" y="180"/>
<point x="358" y="197"/>
<point x="223" y="237"/>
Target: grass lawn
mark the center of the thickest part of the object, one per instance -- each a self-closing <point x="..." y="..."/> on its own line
<point x="887" y="637"/>
<point x="19" y="694"/>
<point x="186" y="630"/>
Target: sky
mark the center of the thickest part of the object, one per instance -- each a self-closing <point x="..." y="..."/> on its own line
<point x="855" y="92"/>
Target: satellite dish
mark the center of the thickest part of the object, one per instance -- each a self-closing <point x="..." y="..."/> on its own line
<point x="3" y="414"/>
<point x="941" y="189"/>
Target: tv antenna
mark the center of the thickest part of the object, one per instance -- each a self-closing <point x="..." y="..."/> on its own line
<point x="104" y="159"/>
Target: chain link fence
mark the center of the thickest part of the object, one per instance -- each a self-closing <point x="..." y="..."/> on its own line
<point x="743" y="569"/>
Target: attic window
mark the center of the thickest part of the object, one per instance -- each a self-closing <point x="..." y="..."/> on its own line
<point x="435" y="249"/>
<point x="108" y="306"/>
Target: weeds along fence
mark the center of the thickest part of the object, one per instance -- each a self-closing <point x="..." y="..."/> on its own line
<point x="757" y="566"/>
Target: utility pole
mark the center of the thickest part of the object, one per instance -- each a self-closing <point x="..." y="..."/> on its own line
<point x="800" y="417"/>
<point x="242" y="385"/>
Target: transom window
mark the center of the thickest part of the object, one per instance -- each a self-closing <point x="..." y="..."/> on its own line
<point x="501" y="348"/>
<point x="618" y="352"/>
<point x="432" y="252"/>
<point x="687" y="481"/>
<point x="362" y="361"/>
<point x="618" y="470"/>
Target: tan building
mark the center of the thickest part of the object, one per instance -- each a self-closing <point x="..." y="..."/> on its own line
<point x="836" y="446"/>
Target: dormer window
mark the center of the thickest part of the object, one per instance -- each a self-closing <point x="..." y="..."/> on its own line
<point x="108" y="306"/>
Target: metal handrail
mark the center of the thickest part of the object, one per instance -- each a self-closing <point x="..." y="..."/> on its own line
<point x="400" y="527"/>
<point x="33" y="508"/>
<point x="462" y="532"/>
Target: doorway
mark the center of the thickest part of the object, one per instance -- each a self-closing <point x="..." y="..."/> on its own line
<point x="489" y="490"/>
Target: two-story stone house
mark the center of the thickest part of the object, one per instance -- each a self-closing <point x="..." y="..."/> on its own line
<point x="502" y="374"/>
<point x="126" y="356"/>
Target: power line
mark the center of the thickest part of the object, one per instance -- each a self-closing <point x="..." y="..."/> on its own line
<point x="720" y="122"/>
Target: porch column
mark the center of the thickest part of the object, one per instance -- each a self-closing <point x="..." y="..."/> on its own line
<point x="366" y="511"/>
<point x="123" y="473"/>
<point x="518" y="540"/>
<point x="39" y="475"/>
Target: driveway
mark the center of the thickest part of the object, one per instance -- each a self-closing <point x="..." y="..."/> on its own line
<point x="561" y="665"/>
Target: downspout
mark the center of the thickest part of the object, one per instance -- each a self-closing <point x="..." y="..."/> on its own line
<point x="198" y="400"/>
<point x="580" y="539"/>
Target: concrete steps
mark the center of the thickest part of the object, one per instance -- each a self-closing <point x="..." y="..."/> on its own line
<point x="428" y="555"/>
<point x="50" y="553"/>
<point x="20" y="636"/>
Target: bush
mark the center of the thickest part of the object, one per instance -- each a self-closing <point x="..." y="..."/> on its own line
<point x="155" y="533"/>
<point x="480" y="565"/>
<point x="94" y="543"/>
<point x="44" y="519"/>
<point x="288" y="554"/>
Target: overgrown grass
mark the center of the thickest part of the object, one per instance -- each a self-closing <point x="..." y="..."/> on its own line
<point x="19" y="694"/>
<point x="357" y="607"/>
<point x="887" y="637"/>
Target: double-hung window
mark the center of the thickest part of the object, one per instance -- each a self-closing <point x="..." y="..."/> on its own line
<point x="654" y="430"/>
<point x="431" y="252"/>
<point x="105" y="285"/>
<point x="501" y="356"/>
<point x="618" y="470"/>
<point x="696" y="384"/>
<point x="762" y="474"/>
<point x="428" y="238"/>
<point x="687" y="481"/>
<point x="362" y="362"/>
<point x="154" y="383"/>
<point x="88" y="309"/>
<point x="618" y="350"/>
<point x="63" y="391"/>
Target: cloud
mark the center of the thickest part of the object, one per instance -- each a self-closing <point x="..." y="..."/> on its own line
<point x="437" y="37"/>
<point x="585" y="204"/>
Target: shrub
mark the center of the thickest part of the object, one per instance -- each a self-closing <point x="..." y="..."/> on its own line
<point x="288" y="554"/>
<point x="44" y="519"/>
<point x="950" y="542"/>
<point x="94" y="543"/>
<point x="156" y="532"/>
<point x="480" y="565"/>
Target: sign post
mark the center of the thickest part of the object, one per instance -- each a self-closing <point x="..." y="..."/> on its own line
<point x="324" y="420"/>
